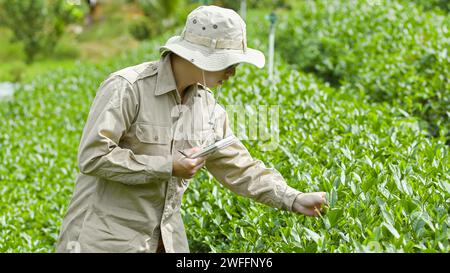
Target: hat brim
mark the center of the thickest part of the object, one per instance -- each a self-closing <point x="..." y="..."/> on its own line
<point x="212" y="60"/>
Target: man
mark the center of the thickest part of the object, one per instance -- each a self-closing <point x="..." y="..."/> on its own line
<point x="132" y="178"/>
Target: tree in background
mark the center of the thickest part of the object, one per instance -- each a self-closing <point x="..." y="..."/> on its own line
<point x="259" y="4"/>
<point x="158" y="16"/>
<point x="39" y="24"/>
<point x="93" y="7"/>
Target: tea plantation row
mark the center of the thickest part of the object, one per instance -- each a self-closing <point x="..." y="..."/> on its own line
<point x="393" y="51"/>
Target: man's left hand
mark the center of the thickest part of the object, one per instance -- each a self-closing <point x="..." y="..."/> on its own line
<point x="310" y="204"/>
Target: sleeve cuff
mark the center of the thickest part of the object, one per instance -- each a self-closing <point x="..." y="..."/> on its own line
<point x="289" y="198"/>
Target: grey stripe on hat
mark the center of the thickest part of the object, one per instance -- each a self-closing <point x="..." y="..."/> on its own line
<point x="212" y="43"/>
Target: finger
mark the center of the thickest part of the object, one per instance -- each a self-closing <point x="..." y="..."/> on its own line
<point x="312" y="199"/>
<point x="198" y="167"/>
<point x="193" y="150"/>
<point x="310" y="212"/>
<point x="184" y="159"/>
<point x="324" y="196"/>
<point x="323" y="209"/>
<point x="188" y="163"/>
<point x="315" y="200"/>
<point x="325" y="199"/>
<point x="199" y="161"/>
<point x="317" y="211"/>
<point x="321" y="194"/>
<point x="320" y="198"/>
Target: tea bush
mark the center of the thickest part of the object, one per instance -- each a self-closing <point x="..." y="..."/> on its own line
<point x="434" y="4"/>
<point x="388" y="183"/>
<point x="393" y="51"/>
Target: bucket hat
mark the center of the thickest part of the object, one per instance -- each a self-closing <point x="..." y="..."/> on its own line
<point x="213" y="39"/>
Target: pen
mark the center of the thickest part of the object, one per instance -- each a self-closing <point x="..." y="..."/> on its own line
<point x="181" y="152"/>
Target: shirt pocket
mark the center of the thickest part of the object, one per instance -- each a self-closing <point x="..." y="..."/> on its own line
<point x="153" y="139"/>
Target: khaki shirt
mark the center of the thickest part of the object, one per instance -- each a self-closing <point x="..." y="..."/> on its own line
<point x="125" y="197"/>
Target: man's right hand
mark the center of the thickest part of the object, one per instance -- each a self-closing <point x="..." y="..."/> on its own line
<point x="186" y="167"/>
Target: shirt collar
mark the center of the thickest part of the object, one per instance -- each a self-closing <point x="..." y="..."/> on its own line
<point x="165" y="81"/>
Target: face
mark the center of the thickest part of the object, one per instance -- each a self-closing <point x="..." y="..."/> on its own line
<point x="216" y="78"/>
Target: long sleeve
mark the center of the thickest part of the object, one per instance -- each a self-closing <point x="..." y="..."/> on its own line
<point x="235" y="168"/>
<point x="112" y="113"/>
